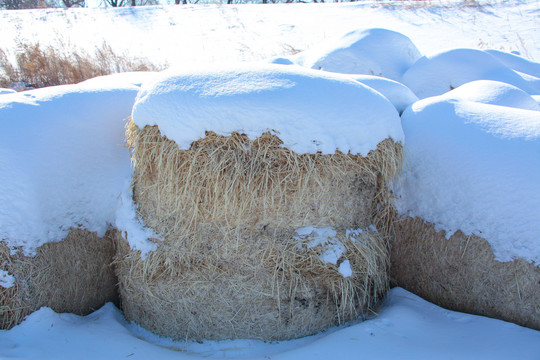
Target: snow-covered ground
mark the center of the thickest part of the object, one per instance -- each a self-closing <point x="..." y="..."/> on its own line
<point x="406" y="327"/>
<point x="189" y="34"/>
<point x="61" y="164"/>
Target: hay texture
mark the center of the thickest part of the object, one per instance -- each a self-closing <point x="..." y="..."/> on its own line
<point x="72" y="276"/>
<point x="232" y="264"/>
<point x="461" y="274"/>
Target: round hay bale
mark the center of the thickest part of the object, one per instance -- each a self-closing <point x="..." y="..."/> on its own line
<point x="74" y="275"/>
<point x="461" y="274"/>
<point x="232" y="265"/>
<point x="258" y="240"/>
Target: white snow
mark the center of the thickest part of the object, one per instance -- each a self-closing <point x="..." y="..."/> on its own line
<point x="127" y="221"/>
<point x="441" y="72"/>
<point x="473" y="159"/>
<point x="345" y="268"/>
<point x="516" y="62"/>
<point x="324" y="237"/>
<point x="332" y="247"/>
<point x="476" y="167"/>
<point x="494" y="93"/>
<point x="62" y="163"/>
<point x="406" y="327"/>
<point x="398" y="94"/>
<point x="310" y="111"/>
<point x="379" y="52"/>
<point x="6" y="280"/>
<point x="6" y="91"/>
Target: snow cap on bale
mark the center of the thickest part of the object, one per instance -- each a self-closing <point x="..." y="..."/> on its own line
<point x="474" y="166"/>
<point x="379" y="52"/>
<point x="61" y="164"/>
<point x="62" y="169"/>
<point x="441" y="72"/>
<point x="309" y="111"/>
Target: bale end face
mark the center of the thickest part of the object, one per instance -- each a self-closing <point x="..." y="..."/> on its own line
<point x="461" y="274"/>
<point x="74" y="275"/>
<point x="231" y="264"/>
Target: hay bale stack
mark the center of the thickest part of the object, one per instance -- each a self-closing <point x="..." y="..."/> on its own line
<point x="72" y="276"/>
<point x="461" y="274"/>
<point x="256" y="237"/>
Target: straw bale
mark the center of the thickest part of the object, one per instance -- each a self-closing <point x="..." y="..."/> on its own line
<point x="461" y="274"/>
<point x="74" y="275"/>
<point x="231" y="265"/>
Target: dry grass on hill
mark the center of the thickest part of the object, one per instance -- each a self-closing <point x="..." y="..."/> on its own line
<point x="36" y="66"/>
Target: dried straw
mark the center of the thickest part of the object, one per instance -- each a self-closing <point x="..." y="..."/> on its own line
<point x="230" y="265"/>
<point x="72" y="276"/>
<point x="461" y="274"/>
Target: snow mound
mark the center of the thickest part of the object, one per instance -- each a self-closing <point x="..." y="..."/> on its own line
<point x="6" y="91"/>
<point x="439" y="73"/>
<point x="475" y="167"/>
<point x="398" y="94"/>
<point x="494" y="93"/>
<point x="517" y="63"/>
<point x="62" y="163"/>
<point x="310" y="111"/>
<point x="378" y="52"/>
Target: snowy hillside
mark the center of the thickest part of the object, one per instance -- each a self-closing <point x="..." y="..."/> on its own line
<point x="220" y="33"/>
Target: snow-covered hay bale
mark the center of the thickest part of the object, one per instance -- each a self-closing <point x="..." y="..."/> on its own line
<point x="73" y="276"/>
<point x="473" y="169"/>
<point x="263" y="200"/>
<point x="62" y="168"/>
<point x="379" y="52"/>
<point x="441" y="72"/>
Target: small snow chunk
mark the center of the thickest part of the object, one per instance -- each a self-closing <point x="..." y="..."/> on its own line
<point x="321" y="236"/>
<point x="310" y="111"/>
<point x="326" y="237"/>
<point x="345" y="268"/>
<point x="353" y="233"/>
<point x="334" y="251"/>
<point x="372" y="228"/>
<point x="6" y="280"/>
<point x="379" y="52"/>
